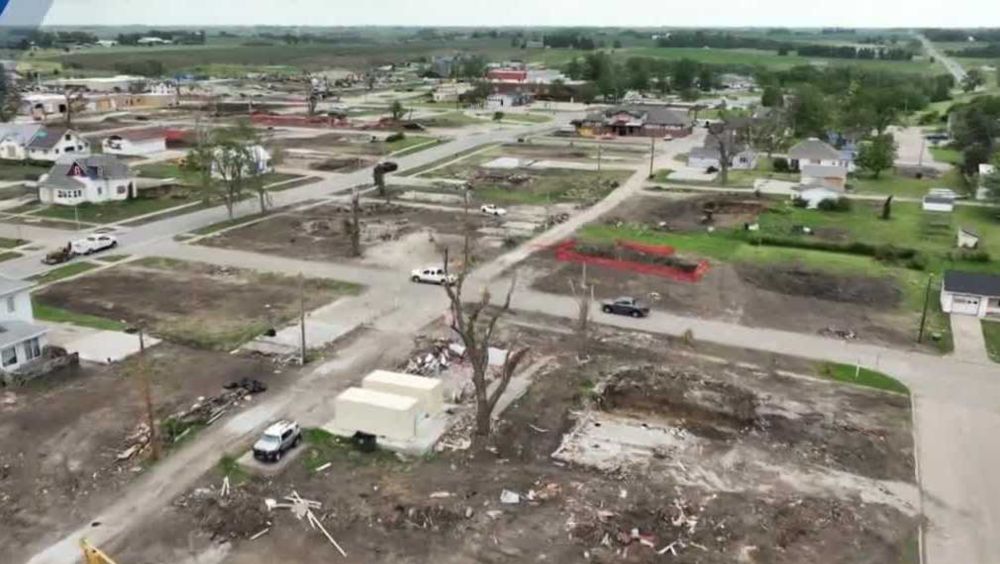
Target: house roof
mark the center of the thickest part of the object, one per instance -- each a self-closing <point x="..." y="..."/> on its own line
<point x="969" y="232"/>
<point x="824" y="171"/>
<point x="17" y="331"/>
<point x="20" y="133"/>
<point x="47" y="138"/>
<point x="939" y="200"/>
<point x="11" y="285"/>
<point x="651" y="114"/>
<point x="140" y="134"/>
<point x="975" y="283"/>
<point x="813" y="149"/>
<point x="105" y="167"/>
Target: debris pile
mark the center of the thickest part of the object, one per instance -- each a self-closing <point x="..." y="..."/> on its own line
<point x="302" y="508"/>
<point x="227" y="513"/>
<point x="432" y="359"/>
<point x="838" y="333"/>
<point x="136" y="441"/>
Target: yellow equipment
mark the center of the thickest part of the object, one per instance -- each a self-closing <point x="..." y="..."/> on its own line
<point x="92" y="555"/>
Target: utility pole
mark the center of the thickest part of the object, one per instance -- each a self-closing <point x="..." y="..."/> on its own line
<point x="147" y="396"/>
<point x="652" y="151"/>
<point x="599" y="155"/>
<point x="923" y="316"/>
<point x="302" y="317"/>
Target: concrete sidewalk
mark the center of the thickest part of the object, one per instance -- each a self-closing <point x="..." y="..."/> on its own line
<point x="970" y="344"/>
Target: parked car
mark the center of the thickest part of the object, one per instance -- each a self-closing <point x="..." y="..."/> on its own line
<point x="276" y="440"/>
<point x="93" y="244"/>
<point x="625" y="306"/>
<point x="492" y="209"/>
<point x="432" y="275"/>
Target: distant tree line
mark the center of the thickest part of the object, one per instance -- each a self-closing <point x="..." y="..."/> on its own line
<point x="181" y="37"/>
<point x="975" y="131"/>
<point x="53" y="40"/>
<point x="725" y="40"/>
<point x="956" y="35"/>
<point x="569" y="40"/>
<point x="990" y="51"/>
<point x="613" y="78"/>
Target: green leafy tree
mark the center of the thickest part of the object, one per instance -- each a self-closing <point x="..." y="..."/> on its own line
<point x="235" y="162"/>
<point x="772" y="97"/>
<point x="10" y="97"/>
<point x="397" y="110"/>
<point x="973" y="79"/>
<point x="809" y="112"/>
<point x="497" y="116"/>
<point x="877" y="154"/>
<point x="992" y="182"/>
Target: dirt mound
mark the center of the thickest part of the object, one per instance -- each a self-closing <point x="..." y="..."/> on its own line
<point x="795" y="280"/>
<point x="689" y="214"/>
<point x="701" y="405"/>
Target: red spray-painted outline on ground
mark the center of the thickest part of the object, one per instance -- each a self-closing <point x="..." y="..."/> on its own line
<point x="566" y="252"/>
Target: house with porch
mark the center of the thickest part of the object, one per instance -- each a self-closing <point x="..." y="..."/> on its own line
<point x="91" y="179"/>
<point x="812" y="151"/>
<point x="37" y="142"/>
<point x="970" y="293"/>
<point x="21" y="340"/>
<point x="643" y="120"/>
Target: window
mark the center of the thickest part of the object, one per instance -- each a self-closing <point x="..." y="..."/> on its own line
<point x="9" y="356"/>
<point x="57" y="151"/>
<point x="100" y="190"/>
<point x="32" y="349"/>
<point x="69" y="137"/>
<point x="11" y="304"/>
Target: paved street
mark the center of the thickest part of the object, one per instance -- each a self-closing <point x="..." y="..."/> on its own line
<point x="956" y="398"/>
<point x="950" y="64"/>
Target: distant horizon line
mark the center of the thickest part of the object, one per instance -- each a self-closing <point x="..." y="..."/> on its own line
<point x="509" y="26"/>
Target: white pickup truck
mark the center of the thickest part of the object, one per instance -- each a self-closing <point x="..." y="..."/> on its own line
<point x="93" y="244"/>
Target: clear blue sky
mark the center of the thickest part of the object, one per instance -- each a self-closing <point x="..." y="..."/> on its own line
<point x="854" y="13"/>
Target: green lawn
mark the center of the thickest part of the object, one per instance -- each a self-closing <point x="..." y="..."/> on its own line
<point x="113" y="212"/>
<point x="6" y="243"/>
<point x="409" y="142"/>
<point x="160" y="170"/>
<point x="58" y="315"/>
<point x="552" y="186"/>
<point x="459" y="156"/>
<point x="888" y="183"/>
<point x="64" y="272"/>
<point x="13" y="171"/>
<point x="450" y="119"/>
<point x="861" y="377"/>
<point x="991" y="332"/>
<point x="520" y="117"/>
<point x="9" y="255"/>
<point x="947" y="155"/>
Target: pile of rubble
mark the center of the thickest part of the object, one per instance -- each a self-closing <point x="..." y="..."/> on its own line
<point x="433" y="358"/>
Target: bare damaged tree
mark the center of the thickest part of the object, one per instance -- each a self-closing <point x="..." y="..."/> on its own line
<point x="312" y="95"/>
<point x="724" y="139"/>
<point x="584" y="298"/>
<point x="475" y="323"/>
<point x="353" y="225"/>
<point x="378" y="175"/>
<point x="75" y="102"/>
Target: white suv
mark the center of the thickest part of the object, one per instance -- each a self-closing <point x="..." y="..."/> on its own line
<point x="278" y="438"/>
<point x="432" y="275"/>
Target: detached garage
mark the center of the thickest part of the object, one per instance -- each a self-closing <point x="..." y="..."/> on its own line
<point x="970" y="293"/>
<point x="136" y="142"/>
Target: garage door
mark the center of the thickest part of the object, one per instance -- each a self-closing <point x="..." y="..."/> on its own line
<point x="965" y="304"/>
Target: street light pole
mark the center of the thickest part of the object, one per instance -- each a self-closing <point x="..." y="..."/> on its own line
<point x="652" y="151"/>
<point x="923" y="316"/>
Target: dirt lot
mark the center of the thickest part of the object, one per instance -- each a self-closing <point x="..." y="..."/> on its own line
<point x="59" y="439"/>
<point x="191" y="303"/>
<point x="780" y="295"/>
<point x="795" y="470"/>
<point x="392" y="235"/>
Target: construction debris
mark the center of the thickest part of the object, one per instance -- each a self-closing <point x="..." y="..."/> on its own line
<point x="510" y="498"/>
<point x="303" y="508"/>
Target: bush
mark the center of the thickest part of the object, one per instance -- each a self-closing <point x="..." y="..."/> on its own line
<point x="800" y="202"/>
<point x="838" y="205"/>
<point x="399" y="136"/>
<point x="977" y="255"/>
<point x="780" y="164"/>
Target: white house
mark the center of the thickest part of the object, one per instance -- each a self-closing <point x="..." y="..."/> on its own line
<point x="51" y="143"/>
<point x="19" y="142"/>
<point x="21" y="340"/>
<point x="259" y="162"/>
<point x="90" y="179"/>
<point x="450" y="91"/>
<point x="136" y="142"/>
<point x="707" y="157"/>
<point x="14" y="140"/>
<point x="970" y="293"/>
<point x="812" y="151"/>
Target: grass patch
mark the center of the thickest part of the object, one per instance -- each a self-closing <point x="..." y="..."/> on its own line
<point x="450" y="119"/>
<point x="323" y="446"/>
<point x="861" y="377"/>
<point x="6" y="243"/>
<point x="160" y="170"/>
<point x="946" y="155"/>
<point x="229" y="467"/>
<point x="9" y="255"/>
<point x="991" y="333"/>
<point x="209" y="229"/>
<point x="526" y="118"/>
<point x="64" y="272"/>
<point x="454" y="157"/>
<point x="113" y="212"/>
<point x="110" y="259"/>
<point x="890" y="184"/>
<point x="14" y="171"/>
<point x="407" y="142"/>
<point x="554" y="185"/>
<point x="58" y="315"/>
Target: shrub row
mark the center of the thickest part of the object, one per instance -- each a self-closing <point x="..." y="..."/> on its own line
<point x="890" y="254"/>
